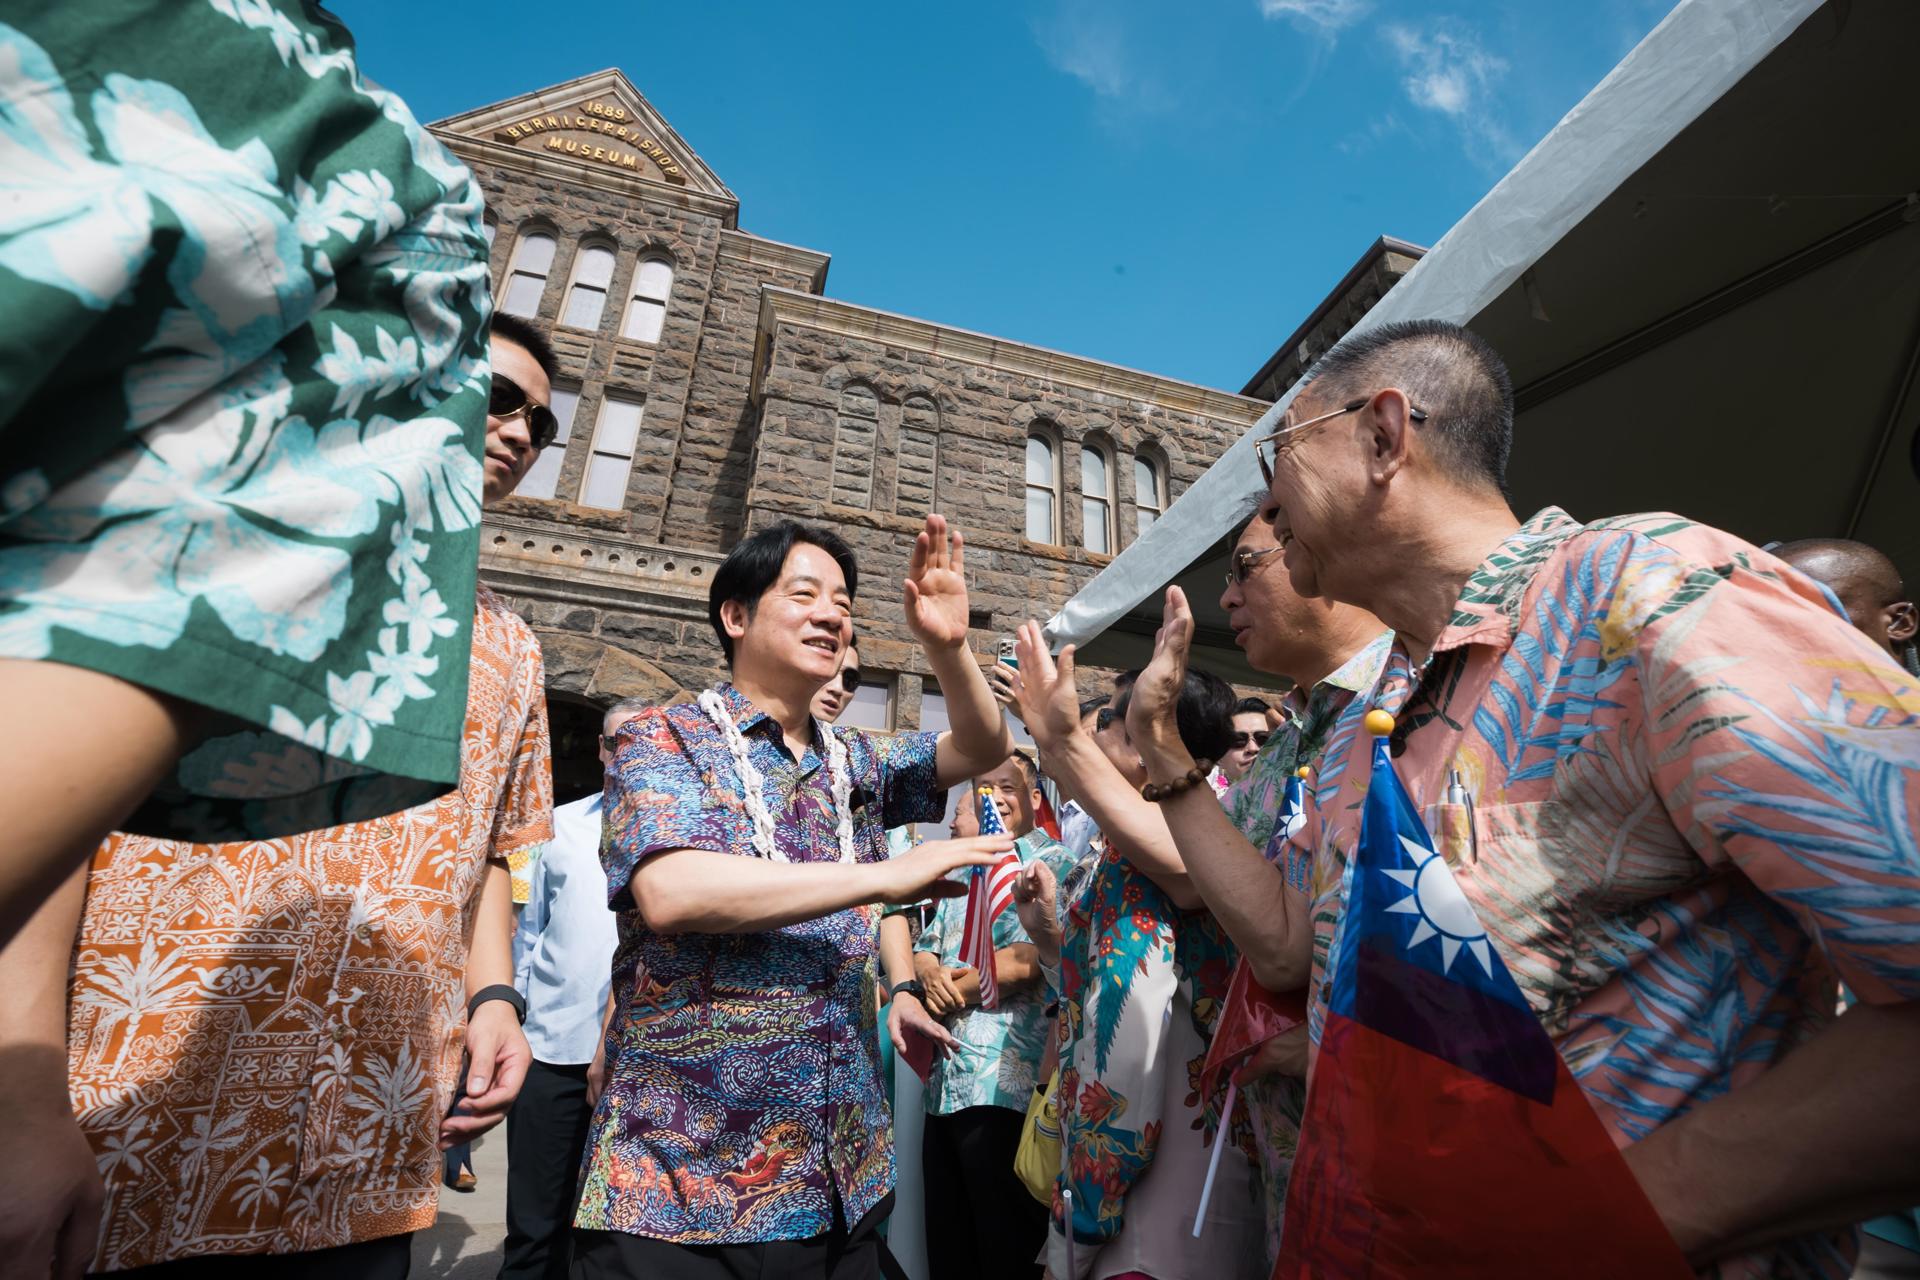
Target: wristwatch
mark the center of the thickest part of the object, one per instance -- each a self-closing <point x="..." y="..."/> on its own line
<point x="499" y="991"/>
<point x="911" y="987"/>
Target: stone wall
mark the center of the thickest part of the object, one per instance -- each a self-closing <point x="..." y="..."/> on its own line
<point x="984" y="416"/>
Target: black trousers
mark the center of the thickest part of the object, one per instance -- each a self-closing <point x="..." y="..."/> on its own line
<point x="856" y="1253"/>
<point x="980" y="1220"/>
<point x="546" y="1132"/>
<point x="388" y="1258"/>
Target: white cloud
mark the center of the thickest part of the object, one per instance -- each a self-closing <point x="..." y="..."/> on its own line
<point x="1090" y="44"/>
<point x="1447" y="69"/>
<point x="1323" y="16"/>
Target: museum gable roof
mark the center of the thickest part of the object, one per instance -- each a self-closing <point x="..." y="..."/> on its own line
<point x="597" y="128"/>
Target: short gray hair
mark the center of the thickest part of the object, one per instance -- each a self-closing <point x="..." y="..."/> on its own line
<point x="1446" y="369"/>
<point x="624" y="708"/>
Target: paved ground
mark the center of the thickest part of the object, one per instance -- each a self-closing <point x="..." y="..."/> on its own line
<point x="465" y="1243"/>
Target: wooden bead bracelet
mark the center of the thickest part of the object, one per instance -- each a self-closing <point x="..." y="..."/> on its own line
<point x="1159" y="793"/>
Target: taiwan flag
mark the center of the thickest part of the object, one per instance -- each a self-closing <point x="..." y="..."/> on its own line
<point x="1444" y="1137"/>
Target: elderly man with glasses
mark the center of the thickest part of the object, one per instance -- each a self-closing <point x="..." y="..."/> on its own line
<point x="1694" y="794"/>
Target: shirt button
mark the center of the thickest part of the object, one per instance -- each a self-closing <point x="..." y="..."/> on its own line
<point x="363" y="932"/>
<point x="338" y="1031"/>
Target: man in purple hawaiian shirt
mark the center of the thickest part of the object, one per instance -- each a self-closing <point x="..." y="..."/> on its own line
<point x="744" y="1128"/>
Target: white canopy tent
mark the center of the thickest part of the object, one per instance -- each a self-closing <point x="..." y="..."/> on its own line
<point x="1706" y="282"/>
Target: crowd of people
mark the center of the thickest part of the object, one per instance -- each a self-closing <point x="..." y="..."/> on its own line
<point x="262" y="969"/>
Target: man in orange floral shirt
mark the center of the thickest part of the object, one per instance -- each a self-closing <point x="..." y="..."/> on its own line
<point x="263" y="1037"/>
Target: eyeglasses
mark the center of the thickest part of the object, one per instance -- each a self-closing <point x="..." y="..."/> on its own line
<point x="508" y="399"/>
<point x="1259" y="739"/>
<point x="1104" y="720"/>
<point x="850" y="679"/>
<point x="1244" y="562"/>
<point x="1267" y="451"/>
<point x="609" y="741"/>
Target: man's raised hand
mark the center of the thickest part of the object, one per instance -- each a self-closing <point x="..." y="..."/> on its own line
<point x="1152" y="716"/>
<point x="936" y="587"/>
<point x="1049" y="699"/>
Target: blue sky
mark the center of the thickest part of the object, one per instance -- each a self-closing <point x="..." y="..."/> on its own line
<point x="1171" y="187"/>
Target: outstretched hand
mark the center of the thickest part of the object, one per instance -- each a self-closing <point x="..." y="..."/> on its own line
<point x="921" y="872"/>
<point x="936" y="587"/>
<point x="1049" y="698"/>
<point x="1153" y="715"/>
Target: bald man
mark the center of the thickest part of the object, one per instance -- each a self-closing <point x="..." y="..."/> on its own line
<point x="1867" y="585"/>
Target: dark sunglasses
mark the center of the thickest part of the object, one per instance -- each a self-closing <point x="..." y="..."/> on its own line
<point x="609" y="741"/>
<point x="1102" y="721"/>
<point x="850" y="679"/>
<point x="1257" y="739"/>
<point x="509" y="400"/>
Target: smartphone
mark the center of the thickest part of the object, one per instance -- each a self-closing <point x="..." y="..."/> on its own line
<point x="1006" y="653"/>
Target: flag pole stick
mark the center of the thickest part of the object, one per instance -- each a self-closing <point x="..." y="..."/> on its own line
<point x="1066" y="1179"/>
<point x="1213" y="1161"/>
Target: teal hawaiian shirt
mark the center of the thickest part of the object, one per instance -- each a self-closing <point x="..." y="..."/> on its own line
<point x="1000" y="1048"/>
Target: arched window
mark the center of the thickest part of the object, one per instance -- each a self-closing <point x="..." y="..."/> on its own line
<point x="1149" y="490"/>
<point x="919" y="457"/>
<point x="527" y="277"/>
<point x="854" y="437"/>
<point x="647" y="308"/>
<point x="587" y="291"/>
<point x="1096" y="500"/>
<point x="489" y="228"/>
<point x="1043" y="489"/>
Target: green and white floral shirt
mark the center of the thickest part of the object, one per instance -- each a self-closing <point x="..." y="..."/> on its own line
<point x="1000" y="1048"/>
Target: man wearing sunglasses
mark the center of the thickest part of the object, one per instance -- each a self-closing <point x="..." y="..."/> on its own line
<point x="1219" y="851"/>
<point x="522" y="393"/>
<point x="836" y="695"/>
<point x="378" y="954"/>
<point x="1250" y="733"/>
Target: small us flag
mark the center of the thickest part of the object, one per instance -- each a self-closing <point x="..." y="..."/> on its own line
<point x="990" y="893"/>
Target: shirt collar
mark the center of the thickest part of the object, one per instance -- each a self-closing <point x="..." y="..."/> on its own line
<point x="1359" y="673"/>
<point x="1489" y="605"/>
<point x="748" y="717"/>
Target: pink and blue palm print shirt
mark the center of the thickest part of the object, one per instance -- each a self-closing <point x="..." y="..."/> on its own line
<point x="742" y="1089"/>
<point x="1695" y="793"/>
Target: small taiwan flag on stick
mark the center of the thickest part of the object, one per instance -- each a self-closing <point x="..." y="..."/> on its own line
<point x="989" y="893"/>
<point x="1444" y="1137"/>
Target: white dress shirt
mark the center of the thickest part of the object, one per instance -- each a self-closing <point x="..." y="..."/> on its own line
<point x="563" y="947"/>
<point x="1077" y="828"/>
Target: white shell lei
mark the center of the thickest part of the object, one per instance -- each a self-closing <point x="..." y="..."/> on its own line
<point x="752" y="782"/>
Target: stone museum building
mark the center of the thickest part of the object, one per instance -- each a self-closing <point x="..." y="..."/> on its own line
<point x="709" y="387"/>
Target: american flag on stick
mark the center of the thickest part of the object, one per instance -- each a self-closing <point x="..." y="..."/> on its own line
<point x="989" y="893"/>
